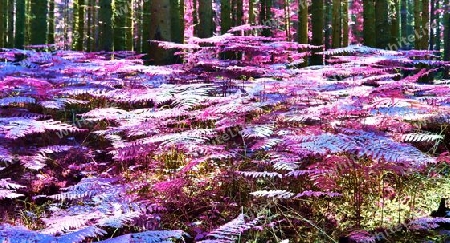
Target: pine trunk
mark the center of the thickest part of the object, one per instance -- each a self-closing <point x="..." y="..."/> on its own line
<point x="160" y="29"/>
<point x="80" y="25"/>
<point x="38" y="22"/>
<point x="10" y="24"/>
<point x="206" y="19"/>
<point x="425" y="24"/>
<point x="336" y="24"/>
<point x="447" y="31"/>
<point x="317" y="24"/>
<point x="438" y="28"/>
<point x="123" y="33"/>
<point x="369" y="23"/>
<point x="395" y="24"/>
<point x="383" y="32"/>
<point x="20" y="24"/>
<point x="404" y="19"/>
<point x="2" y="22"/>
<point x="51" y="22"/>
<point x="345" y="33"/>
<point x="417" y="24"/>
<point x="177" y="22"/>
<point x="225" y="16"/>
<point x="302" y="31"/>
<point x="105" y="25"/>
<point x="146" y="8"/>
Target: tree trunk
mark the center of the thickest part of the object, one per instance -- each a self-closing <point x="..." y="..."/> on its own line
<point x="317" y="23"/>
<point x="146" y="25"/>
<point x="51" y="22"/>
<point x="382" y="23"/>
<point x="438" y="28"/>
<point x="177" y="22"/>
<point x="20" y="24"/>
<point x="265" y="16"/>
<point x="302" y="31"/>
<point x="105" y="25"/>
<point x="123" y="32"/>
<point x="225" y="16"/>
<point x="79" y="46"/>
<point x="206" y="19"/>
<point x="239" y="12"/>
<point x="336" y="24"/>
<point x="10" y="23"/>
<point x="327" y="22"/>
<point x="447" y="31"/>
<point x="404" y="19"/>
<point x="160" y="29"/>
<point x="432" y="22"/>
<point x="425" y="24"/>
<point x="39" y="22"/>
<point x="345" y="23"/>
<point x="395" y="24"/>
<point x="369" y="23"/>
<point x="251" y="13"/>
<point x="417" y="24"/>
<point x="2" y="23"/>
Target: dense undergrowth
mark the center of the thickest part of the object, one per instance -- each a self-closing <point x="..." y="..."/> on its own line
<point x="250" y="148"/>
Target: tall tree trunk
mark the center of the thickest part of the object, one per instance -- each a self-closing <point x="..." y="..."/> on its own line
<point x="20" y="24"/>
<point x="433" y="14"/>
<point x="302" y="31"/>
<point x="317" y="23"/>
<point x="425" y="24"/>
<point x="336" y="24"/>
<point x="417" y="24"/>
<point x="51" y="22"/>
<point x="160" y="29"/>
<point x="225" y="16"/>
<point x="251" y="13"/>
<point x="239" y="12"/>
<point x="123" y="33"/>
<point x="447" y="36"/>
<point x="395" y="24"/>
<point x="328" y="22"/>
<point x="177" y="22"/>
<point x="146" y="25"/>
<point x="195" y="17"/>
<point x="89" y="25"/>
<point x="345" y="23"/>
<point x="39" y="22"/>
<point x="438" y="28"/>
<point x="404" y="19"/>
<point x="369" y="23"/>
<point x="382" y="23"/>
<point x="205" y="15"/>
<point x="2" y="22"/>
<point x="105" y="25"/>
<point x="265" y="16"/>
<point x="10" y="23"/>
<point x="80" y="25"/>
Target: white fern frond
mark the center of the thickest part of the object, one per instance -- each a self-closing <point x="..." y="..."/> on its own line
<point x="272" y="194"/>
<point x="421" y="137"/>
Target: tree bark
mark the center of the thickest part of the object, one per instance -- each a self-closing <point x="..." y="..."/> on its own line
<point x="10" y="24"/>
<point x="336" y="24"/>
<point x="2" y="23"/>
<point x="417" y="24"/>
<point x="382" y="23"/>
<point x="105" y="25"/>
<point x="345" y="33"/>
<point x="225" y="16"/>
<point x="51" y="22"/>
<point x="20" y="24"/>
<point x="369" y="23"/>
<point x="317" y="24"/>
<point x="39" y="22"/>
<point x="160" y="29"/>
<point x="302" y="31"/>
<point x="206" y="19"/>
<point x="425" y="24"/>
<point x="404" y="19"/>
<point x="146" y="25"/>
<point x="395" y="23"/>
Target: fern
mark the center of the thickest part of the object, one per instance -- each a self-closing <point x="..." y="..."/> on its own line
<point x="231" y="230"/>
<point x="157" y="236"/>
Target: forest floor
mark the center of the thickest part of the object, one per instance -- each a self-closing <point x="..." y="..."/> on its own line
<point x="102" y="149"/>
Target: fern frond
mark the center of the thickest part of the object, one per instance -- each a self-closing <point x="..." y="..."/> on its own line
<point x="156" y="236"/>
<point x="421" y="137"/>
<point x="228" y="232"/>
<point x="81" y="234"/>
<point x="272" y="194"/>
<point x="265" y="174"/>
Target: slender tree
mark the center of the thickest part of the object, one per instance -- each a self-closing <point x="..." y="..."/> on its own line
<point x="160" y="29"/>
<point x="404" y="18"/>
<point x="369" y="23"/>
<point x="425" y="24"/>
<point x="447" y="31"/>
<point x="80" y="25"/>
<point x="336" y="24"/>
<point x="317" y="24"/>
<point x="395" y="22"/>
<point x="123" y="32"/>
<point x="225" y="16"/>
<point x="302" y="31"/>
<point x="265" y="15"/>
<point x="417" y="23"/>
<point x="146" y="25"/>
<point x="51" y="22"/>
<point x="382" y="23"/>
<point x="328" y="23"/>
<point x="105" y="25"/>
<point x="345" y="26"/>
<point x="2" y="22"/>
<point x="20" y="24"/>
<point x="205" y="13"/>
<point x="10" y="33"/>
<point x="39" y="21"/>
<point x="438" y="28"/>
<point x="177" y="21"/>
